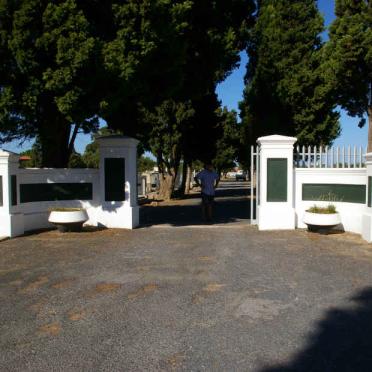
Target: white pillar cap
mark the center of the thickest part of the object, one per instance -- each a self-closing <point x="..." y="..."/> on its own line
<point x="276" y="140"/>
<point x="117" y="141"/>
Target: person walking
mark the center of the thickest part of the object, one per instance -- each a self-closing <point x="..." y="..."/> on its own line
<point x="208" y="180"/>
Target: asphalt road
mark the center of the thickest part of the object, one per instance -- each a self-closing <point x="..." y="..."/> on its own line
<point x="224" y="297"/>
<point x="232" y="205"/>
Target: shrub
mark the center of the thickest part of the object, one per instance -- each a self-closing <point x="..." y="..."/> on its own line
<point x="65" y="209"/>
<point x="330" y="209"/>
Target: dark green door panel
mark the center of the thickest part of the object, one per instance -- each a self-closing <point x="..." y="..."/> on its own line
<point x="277" y="172"/>
<point x="13" y="190"/>
<point x="114" y="179"/>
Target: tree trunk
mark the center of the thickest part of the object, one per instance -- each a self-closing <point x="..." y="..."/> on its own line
<point x="182" y="188"/>
<point x="369" y="129"/>
<point x="54" y="136"/>
<point x="188" y="179"/>
<point x="167" y="183"/>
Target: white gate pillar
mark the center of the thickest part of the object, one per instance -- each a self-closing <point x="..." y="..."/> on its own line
<point x="276" y="193"/>
<point x="367" y="216"/>
<point x="11" y="221"/>
<point x="118" y="182"/>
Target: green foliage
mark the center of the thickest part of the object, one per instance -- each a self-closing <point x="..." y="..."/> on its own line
<point x="90" y="157"/>
<point x="228" y="145"/>
<point x="215" y="34"/>
<point x="35" y="154"/>
<point x="58" y="209"/>
<point x="194" y="39"/>
<point x="66" y="63"/>
<point x="165" y="140"/>
<point x="47" y="53"/>
<point x="286" y="92"/>
<point x="330" y="209"/>
<point x="203" y="130"/>
<point x="349" y="57"/>
<point x="145" y="164"/>
<point x="76" y="161"/>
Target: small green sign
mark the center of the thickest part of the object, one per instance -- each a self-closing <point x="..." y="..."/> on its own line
<point x="335" y="192"/>
<point x="277" y="172"/>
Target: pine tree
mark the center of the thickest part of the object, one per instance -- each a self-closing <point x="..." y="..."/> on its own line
<point x="349" y="59"/>
<point x="286" y="92"/>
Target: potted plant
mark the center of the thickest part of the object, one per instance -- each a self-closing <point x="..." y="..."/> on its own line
<point x="321" y="217"/>
<point x="68" y="219"/>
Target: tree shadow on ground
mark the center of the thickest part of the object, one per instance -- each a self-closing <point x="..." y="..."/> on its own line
<point x="232" y="205"/>
<point x="342" y="342"/>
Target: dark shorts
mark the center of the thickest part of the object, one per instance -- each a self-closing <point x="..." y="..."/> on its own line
<point x="207" y="199"/>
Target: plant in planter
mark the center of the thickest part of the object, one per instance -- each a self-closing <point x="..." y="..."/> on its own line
<point x="321" y="217"/>
<point x="68" y="219"/>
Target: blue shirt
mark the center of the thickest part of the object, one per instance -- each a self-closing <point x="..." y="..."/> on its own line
<point x="207" y="179"/>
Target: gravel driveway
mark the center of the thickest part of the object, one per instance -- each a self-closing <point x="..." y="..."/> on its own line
<point x="224" y="297"/>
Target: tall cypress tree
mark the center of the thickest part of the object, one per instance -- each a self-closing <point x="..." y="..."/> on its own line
<point x="349" y="53"/>
<point x="286" y="92"/>
<point x="64" y="64"/>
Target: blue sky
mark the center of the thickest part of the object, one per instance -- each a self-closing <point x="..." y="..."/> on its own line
<point x="230" y="93"/>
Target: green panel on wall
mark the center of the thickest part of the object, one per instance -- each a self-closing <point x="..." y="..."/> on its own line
<point x="369" y="191"/>
<point x="114" y="179"/>
<point x="277" y="171"/>
<point x="13" y="190"/>
<point x="1" y="191"/>
<point x="37" y="192"/>
<point x="334" y="192"/>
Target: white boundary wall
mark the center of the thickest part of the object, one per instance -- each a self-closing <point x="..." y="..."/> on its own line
<point x="20" y="216"/>
<point x="351" y="213"/>
<point x="35" y="214"/>
<point x="320" y="168"/>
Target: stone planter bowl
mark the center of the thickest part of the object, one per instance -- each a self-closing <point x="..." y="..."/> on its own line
<point x="68" y="220"/>
<point x="315" y="221"/>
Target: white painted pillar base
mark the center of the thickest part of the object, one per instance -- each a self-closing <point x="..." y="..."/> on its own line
<point x="367" y="227"/>
<point x="276" y="214"/>
<point x="276" y="217"/>
<point x="125" y="217"/>
<point x="12" y="225"/>
<point x="11" y="220"/>
<point x="119" y="214"/>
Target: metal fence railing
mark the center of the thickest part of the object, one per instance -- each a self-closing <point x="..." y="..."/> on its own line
<point x="330" y="157"/>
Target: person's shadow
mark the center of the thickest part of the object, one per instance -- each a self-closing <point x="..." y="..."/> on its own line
<point x="342" y="342"/>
